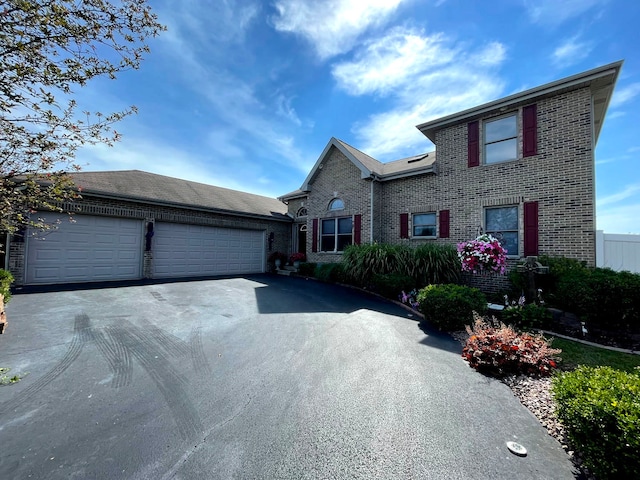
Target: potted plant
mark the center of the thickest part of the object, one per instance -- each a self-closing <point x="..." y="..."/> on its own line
<point x="276" y="258"/>
<point x="296" y="258"/>
<point x="484" y="254"/>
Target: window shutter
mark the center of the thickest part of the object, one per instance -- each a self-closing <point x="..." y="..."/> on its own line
<point x="444" y="224"/>
<point x="357" y="229"/>
<point x="530" y="229"/>
<point x="314" y="235"/>
<point x="473" y="144"/>
<point x="404" y="225"/>
<point x="529" y="131"/>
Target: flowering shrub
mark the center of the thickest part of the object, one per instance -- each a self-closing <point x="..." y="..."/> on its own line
<point x="499" y="350"/>
<point x="410" y="299"/>
<point x="298" y="257"/>
<point x="483" y="254"/>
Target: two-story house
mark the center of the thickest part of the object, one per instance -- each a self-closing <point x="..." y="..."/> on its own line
<point x="521" y="168"/>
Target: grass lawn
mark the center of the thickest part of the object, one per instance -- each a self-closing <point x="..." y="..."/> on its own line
<point x="575" y="353"/>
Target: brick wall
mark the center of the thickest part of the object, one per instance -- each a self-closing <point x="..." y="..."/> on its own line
<point x="338" y="178"/>
<point x="153" y="213"/>
<point x="560" y="178"/>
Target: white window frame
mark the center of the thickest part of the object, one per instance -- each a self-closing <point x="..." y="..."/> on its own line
<point x="414" y="225"/>
<point x="500" y="140"/>
<point x="336" y="234"/>
<point x="499" y="234"/>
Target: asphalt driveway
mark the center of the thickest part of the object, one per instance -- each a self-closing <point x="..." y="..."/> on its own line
<point x="257" y="377"/>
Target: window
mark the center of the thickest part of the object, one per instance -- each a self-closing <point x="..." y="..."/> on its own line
<point x="500" y="140"/>
<point x="336" y="204"/>
<point x="502" y="223"/>
<point x="424" y="225"/>
<point x="336" y="234"/>
<point x="302" y="212"/>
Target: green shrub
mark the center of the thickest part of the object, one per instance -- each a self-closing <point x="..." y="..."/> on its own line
<point x="390" y="285"/>
<point x="307" y="269"/>
<point x="450" y="307"/>
<point x="526" y="317"/>
<point x="500" y="350"/>
<point x="361" y="262"/>
<point x="434" y="263"/>
<point x="6" y="279"/>
<point x="426" y="264"/>
<point x="330" y="272"/>
<point x="602" y="297"/>
<point x="600" y="408"/>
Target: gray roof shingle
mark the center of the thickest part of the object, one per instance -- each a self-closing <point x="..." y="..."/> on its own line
<point x="150" y="187"/>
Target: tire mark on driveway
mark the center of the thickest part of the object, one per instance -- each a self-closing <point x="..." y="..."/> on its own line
<point x="81" y="334"/>
<point x="198" y="357"/>
<point x="171" y="344"/>
<point x="147" y="352"/>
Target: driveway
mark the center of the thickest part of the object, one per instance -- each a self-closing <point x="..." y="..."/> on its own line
<point x="257" y="377"/>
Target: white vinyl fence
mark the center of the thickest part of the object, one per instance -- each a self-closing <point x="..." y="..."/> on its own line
<point x="618" y="252"/>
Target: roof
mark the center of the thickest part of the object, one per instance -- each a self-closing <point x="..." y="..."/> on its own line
<point x="148" y="187"/>
<point x="369" y="167"/>
<point x="601" y="80"/>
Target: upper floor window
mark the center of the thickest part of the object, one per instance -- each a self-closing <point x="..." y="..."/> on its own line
<point x="336" y="204"/>
<point x="424" y="224"/>
<point x="502" y="223"/>
<point x="501" y="139"/>
<point x="336" y="234"/>
<point x="302" y="212"/>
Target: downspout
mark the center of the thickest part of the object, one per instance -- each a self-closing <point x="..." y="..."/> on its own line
<point x="593" y="172"/>
<point x="373" y="179"/>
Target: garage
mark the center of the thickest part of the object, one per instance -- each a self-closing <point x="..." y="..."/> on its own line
<point x="181" y="250"/>
<point x="91" y="249"/>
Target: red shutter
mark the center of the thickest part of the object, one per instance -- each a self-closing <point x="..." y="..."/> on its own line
<point x="530" y="229"/>
<point x="314" y="235"/>
<point x="357" y="229"/>
<point x="473" y="144"/>
<point x="444" y="223"/>
<point x="404" y="225"/>
<point x="529" y="131"/>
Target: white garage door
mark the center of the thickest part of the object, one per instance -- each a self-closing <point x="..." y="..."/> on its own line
<point x="192" y="250"/>
<point x="91" y="249"/>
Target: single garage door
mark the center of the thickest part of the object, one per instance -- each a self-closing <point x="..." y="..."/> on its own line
<point x="91" y="249"/>
<point x="191" y="250"/>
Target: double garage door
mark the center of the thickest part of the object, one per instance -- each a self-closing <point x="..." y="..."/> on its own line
<point x="95" y="249"/>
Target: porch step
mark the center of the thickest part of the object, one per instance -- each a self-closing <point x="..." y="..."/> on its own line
<point x="287" y="270"/>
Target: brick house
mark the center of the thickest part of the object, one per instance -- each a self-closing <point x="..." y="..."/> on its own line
<point x="131" y="225"/>
<point x="521" y="168"/>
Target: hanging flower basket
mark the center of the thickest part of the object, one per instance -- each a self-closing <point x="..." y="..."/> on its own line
<point x="484" y="254"/>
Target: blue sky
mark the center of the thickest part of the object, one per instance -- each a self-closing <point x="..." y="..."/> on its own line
<point x="246" y="94"/>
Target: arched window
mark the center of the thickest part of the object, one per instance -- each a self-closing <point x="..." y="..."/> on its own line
<point x="302" y="212"/>
<point x="336" y="204"/>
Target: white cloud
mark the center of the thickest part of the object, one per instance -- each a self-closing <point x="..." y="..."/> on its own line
<point x="570" y="52"/>
<point x="624" y="95"/>
<point x="618" y="219"/>
<point x="426" y="77"/>
<point x="629" y="191"/>
<point x="555" y="12"/>
<point x="385" y="63"/>
<point x="332" y="26"/>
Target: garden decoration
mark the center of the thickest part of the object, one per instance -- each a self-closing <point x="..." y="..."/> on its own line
<point x="530" y="268"/>
<point x="484" y="254"/>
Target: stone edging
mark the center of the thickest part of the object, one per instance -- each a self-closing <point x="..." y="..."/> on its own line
<point x="591" y="344"/>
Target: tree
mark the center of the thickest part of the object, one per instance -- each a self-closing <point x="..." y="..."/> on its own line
<point x="48" y="48"/>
